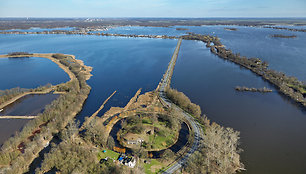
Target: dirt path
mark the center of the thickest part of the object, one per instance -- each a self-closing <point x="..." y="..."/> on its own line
<point x="17" y="117"/>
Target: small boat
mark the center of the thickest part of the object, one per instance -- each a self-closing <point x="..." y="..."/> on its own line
<point x="1" y="110"/>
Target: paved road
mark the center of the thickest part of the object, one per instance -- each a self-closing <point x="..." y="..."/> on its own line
<point x="196" y="128"/>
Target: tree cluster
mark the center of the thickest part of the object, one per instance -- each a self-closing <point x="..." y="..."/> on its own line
<point x="6" y="95"/>
<point x="218" y="153"/>
<point x="54" y="118"/>
<point x="19" y="54"/>
<point x="183" y="102"/>
<point x="74" y="155"/>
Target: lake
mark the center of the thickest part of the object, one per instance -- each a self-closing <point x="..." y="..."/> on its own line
<point x="286" y="55"/>
<point x="29" y="72"/>
<point x="8" y="127"/>
<point x="31" y="105"/>
<point x="122" y="64"/>
<point x="273" y="131"/>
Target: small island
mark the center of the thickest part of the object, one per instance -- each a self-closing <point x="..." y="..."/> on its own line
<point x="231" y="29"/>
<point x="182" y="29"/>
<point x="283" y="36"/>
<point x="262" y="90"/>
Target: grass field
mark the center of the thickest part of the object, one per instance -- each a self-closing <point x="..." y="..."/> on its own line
<point x="153" y="167"/>
<point x="109" y="153"/>
<point x="156" y="133"/>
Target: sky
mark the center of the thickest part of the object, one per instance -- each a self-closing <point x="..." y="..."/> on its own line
<point x="153" y="8"/>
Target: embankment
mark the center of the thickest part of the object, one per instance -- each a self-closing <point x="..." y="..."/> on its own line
<point x="19" y="151"/>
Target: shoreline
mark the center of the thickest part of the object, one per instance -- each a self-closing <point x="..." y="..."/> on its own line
<point x="293" y="89"/>
<point x="76" y="32"/>
<point x="47" y="56"/>
<point x="39" y="55"/>
<point x="52" y="121"/>
<point x="14" y="99"/>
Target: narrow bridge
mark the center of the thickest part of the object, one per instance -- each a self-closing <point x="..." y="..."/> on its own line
<point x="196" y="128"/>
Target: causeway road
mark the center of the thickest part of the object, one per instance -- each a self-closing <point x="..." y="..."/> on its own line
<point x="196" y="128"/>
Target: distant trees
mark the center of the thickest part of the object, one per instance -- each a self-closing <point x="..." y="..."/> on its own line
<point x="262" y="90"/>
<point x="59" y="56"/>
<point x="283" y="36"/>
<point x="182" y="29"/>
<point x="19" y="54"/>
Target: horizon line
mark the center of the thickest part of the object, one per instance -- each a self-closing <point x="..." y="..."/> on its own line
<point x="163" y="17"/>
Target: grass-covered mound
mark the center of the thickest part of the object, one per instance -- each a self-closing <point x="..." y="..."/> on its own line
<point x="150" y="131"/>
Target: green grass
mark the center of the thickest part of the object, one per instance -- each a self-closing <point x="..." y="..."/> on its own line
<point x="147" y="167"/>
<point x="157" y="140"/>
<point x="146" y="121"/>
<point x="161" y="139"/>
<point x="109" y="153"/>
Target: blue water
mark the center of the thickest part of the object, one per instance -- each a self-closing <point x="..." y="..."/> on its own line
<point x="29" y="105"/>
<point x="122" y="64"/>
<point x="8" y="127"/>
<point x="272" y="127"/>
<point x="273" y="131"/>
<point x="285" y="55"/>
<point x="29" y="72"/>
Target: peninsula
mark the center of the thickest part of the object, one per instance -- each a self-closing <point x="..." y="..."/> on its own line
<point x="17" y="153"/>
